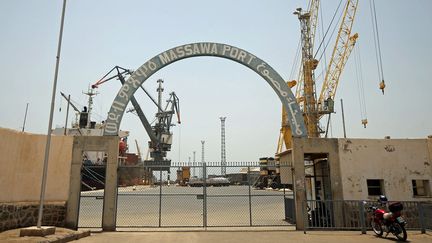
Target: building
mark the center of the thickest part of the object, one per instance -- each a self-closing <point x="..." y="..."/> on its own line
<point x="242" y="177"/>
<point x="362" y="169"/>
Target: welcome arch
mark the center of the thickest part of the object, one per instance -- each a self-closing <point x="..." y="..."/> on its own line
<point x="233" y="53"/>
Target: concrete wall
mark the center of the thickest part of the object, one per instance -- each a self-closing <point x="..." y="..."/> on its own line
<point x="316" y="146"/>
<point x="286" y="170"/>
<point x="396" y="161"/>
<point x="21" y="165"/>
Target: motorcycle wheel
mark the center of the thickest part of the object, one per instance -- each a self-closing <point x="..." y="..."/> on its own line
<point x="400" y="232"/>
<point x="376" y="227"/>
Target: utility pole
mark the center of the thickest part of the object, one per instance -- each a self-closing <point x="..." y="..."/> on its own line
<point x="343" y="119"/>
<point x="67" y="115"/>
<point x="25" y="117"/>
<point x="223" y="151"/>
<point x="48" y="143"/>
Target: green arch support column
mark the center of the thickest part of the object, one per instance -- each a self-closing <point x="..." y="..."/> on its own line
<point x="236" y="54"/>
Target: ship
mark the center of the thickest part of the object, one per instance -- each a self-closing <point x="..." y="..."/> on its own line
<point x="94" y="162"/>
<point x="133" y="170"/>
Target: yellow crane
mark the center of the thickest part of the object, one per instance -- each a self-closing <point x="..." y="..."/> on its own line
<point x="310" y="28"/>
<point x="313" y="108"/>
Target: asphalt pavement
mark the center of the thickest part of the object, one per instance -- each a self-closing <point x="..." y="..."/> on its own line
<point x="222" y="236"/>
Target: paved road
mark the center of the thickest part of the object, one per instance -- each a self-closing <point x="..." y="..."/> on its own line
<point x="247" y="236"/>
<point x="183" y="206"/>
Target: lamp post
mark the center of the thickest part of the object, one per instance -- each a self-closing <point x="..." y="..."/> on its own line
<point x="48" y="143"/>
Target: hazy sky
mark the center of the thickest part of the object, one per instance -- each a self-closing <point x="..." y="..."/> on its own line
<point x="99" y="35"/>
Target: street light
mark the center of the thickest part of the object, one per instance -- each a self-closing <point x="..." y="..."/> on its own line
<point x="48" y="143"/>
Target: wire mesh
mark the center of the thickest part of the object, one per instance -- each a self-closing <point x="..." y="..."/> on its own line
<point x="181" y="210"/>
<point x="228" y="210"/>
<point x="138" y="210"/>
<point x="204" y="204"/>
<point x="268" y="210"/>
<point x="159" y="202"/>
<point x="90" y="210"/>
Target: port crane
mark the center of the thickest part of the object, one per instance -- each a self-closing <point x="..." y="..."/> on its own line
<point x="315" y="108"/>
<point x="160" y="133"/>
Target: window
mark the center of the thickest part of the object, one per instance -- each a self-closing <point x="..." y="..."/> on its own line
<point x="421" y="188"/>
<point x="375" y="187"/>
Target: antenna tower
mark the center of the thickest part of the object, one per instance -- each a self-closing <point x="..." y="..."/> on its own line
<point x="202" y="158"/>
<point x="223" y="151"/>
<point x="194" y="164"/>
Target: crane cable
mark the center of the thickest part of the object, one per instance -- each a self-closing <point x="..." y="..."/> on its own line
<point x="360" y="84"/>
<point x="328" y="28"/>
<point x="324" y="68"/>
<point x="378" y="55"/>
<point x="331" y="36"/>
<point x="296" y="61"/>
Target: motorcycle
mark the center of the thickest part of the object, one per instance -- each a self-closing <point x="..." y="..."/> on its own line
<point x="389" y="222"/>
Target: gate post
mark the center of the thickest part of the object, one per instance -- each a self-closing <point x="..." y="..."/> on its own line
<point x="205" y="194"/>
<point x="299" y="183"/>
<point x="362" y="217"/>
<point x="110" y="194"/>
<point x="250" y="197"/>
<point x="72" y="210"/>
<point x="421" y="218"/>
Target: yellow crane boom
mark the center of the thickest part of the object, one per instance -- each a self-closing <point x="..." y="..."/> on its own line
<point x="344" y="44"/>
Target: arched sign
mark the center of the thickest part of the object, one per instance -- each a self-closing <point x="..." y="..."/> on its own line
<point x="236" y="54"/>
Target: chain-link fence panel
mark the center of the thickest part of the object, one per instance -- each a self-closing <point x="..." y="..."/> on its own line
<point x="228" y="210"/>
<point x="137" y="210"/>
<point x="90" y="209"/>
<point x="268" y="210"/>
<point x="198" y="195"/>
<point x="182" y="210"/>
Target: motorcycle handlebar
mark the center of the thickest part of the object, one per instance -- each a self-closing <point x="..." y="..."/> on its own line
<point x="370" y="208"/>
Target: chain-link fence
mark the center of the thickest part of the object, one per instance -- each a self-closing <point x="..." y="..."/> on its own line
<point x="172" y="199"/>
<point x="91" y="207"/>
<point x="249" y="194"/>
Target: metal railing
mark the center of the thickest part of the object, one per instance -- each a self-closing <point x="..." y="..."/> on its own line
<point x="425" y="216"/>
<point x="352" y="215"/>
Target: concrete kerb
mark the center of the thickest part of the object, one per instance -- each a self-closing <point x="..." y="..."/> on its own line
<point x="61" y="235"/>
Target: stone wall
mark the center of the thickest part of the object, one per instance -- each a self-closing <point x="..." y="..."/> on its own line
<point x="23" y="214"/>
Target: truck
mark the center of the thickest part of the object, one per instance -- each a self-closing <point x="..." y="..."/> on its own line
<point x="269" y="174"/>
<point x="183" y="176"/>
<point x="215" y="181"/>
